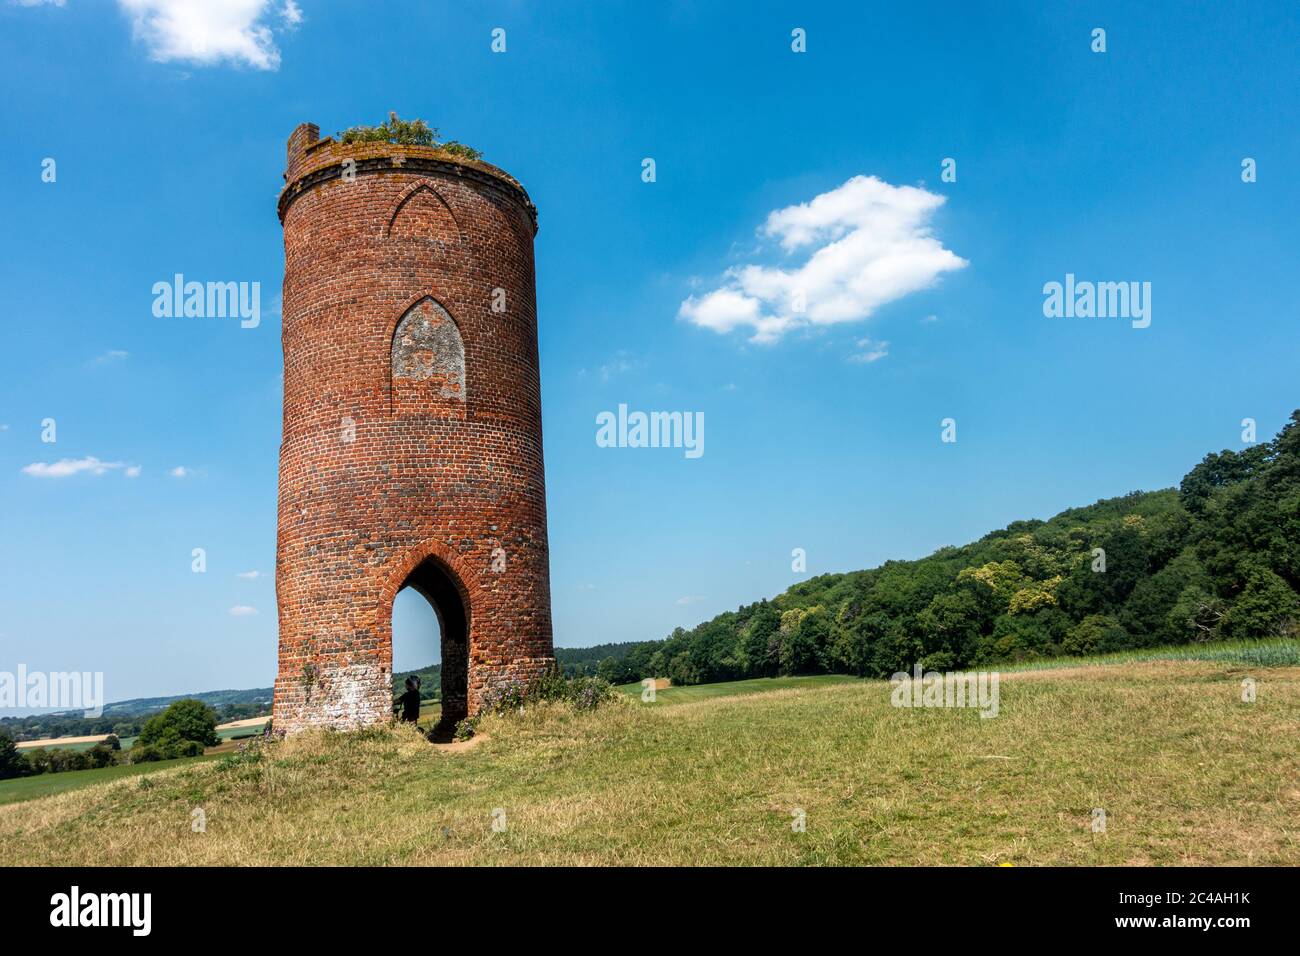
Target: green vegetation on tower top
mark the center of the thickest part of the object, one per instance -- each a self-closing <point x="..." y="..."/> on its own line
<point x="402" y="132"/>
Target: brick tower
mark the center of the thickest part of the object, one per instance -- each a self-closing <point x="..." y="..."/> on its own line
<point x="412" y="446"/>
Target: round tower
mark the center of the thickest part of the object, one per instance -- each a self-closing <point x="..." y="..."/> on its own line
<point x="412" y="446"/>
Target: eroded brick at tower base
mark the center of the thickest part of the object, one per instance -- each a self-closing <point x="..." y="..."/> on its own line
<point x="412" y="446"/>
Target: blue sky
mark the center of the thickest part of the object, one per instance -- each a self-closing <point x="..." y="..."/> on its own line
<point x="168" y="134"/>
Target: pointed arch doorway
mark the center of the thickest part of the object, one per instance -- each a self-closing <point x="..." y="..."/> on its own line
<point x="438" y="585"/>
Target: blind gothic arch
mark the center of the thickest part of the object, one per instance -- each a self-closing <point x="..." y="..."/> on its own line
<point x="427" y="361"/>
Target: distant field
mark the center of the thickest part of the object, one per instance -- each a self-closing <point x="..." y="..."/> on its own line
<point x="1185" y="771"/>
<point x="1277" y="652"/>
<point x="62" y="743"/>
<point x="48" y="784"/>
<point x="237" y="728"/>
<point x="759" y="685"/>
<point x="42" y="785"/>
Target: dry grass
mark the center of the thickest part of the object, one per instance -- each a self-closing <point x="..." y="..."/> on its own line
<point x="1187" y="773"/>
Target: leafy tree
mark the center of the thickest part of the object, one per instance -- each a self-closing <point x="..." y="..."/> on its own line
<point x="1035" y="595"/>
<point x="1095" y="634"/>
<point x="995" y="583"/>
<point x="184" y="720"/>
<point x="1019" y="637"/>
<point x="12" y="763"/>
<point x="804" y="641"/>
<point x="1218" y="471"/>
<point x="952" y="623"/>
<point x="1267" y="607"/>
<point x="1146" y="614"/>
<point x="101" y="755"/>
<point x="39" y="760"/>
<point x="757" y="659"/>
<point x="1197" y="614"/>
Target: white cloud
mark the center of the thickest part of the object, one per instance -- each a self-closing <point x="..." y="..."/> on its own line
<point x="869" y="350"/>
<point x="132" y="471"/>
<point x="209" y="31"/>
<point x="242" y="610"/>
<point x="690" y="599"/>
<point x="722" y="310"/>
<point x="180" y="471"/>
<point x="39" y="3"/>
<point x="869" y="244"/>
<point x="249" y="575"/>
<point x="112" y="355"/>
<point x="66" y="467"/>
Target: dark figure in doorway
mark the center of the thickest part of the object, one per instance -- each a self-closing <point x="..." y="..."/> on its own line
<point x="410" y="701"/>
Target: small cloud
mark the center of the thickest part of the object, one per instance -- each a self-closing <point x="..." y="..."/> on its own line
<point x="132" y="471"/>
<point x="730" y="387"/>
<point x="66" y="467"/>
<point x="39" y="3"/>
<point x="690" y="599"/>
<point x="868" y="243"/>
<point x="112" y="355"/>
<point x="210" y="32"/>
<point x="930" y="318"/>
<point x="242" y="610"/>
<point x="180" y="471"/>
<point x="249" y="575"/>
<point x="869" y="351"/>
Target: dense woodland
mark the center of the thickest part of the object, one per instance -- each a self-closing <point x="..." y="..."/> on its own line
<point x="1216" y="559"/>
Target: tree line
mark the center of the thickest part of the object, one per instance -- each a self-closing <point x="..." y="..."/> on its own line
<point x="1218" y="558"/>
<point x="184" y="729"/>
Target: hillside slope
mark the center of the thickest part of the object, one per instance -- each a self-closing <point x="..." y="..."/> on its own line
<point x="1216" y="559"/>
<point x="1185" y="771"/>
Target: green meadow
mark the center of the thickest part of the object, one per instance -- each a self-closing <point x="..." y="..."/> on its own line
<point x="814" y="771"/>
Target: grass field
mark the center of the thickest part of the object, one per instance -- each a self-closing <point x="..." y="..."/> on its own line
<point x="1277" y="652"/>
<point x="48" y="784"/>
<point x="1186" y="771"/>
<point x="694" y="692"/>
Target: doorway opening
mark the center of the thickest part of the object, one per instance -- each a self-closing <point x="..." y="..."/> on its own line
<point x="443" y="635"/>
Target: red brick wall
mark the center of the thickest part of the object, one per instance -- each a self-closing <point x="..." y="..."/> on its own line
<point x="416" y="477"/>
